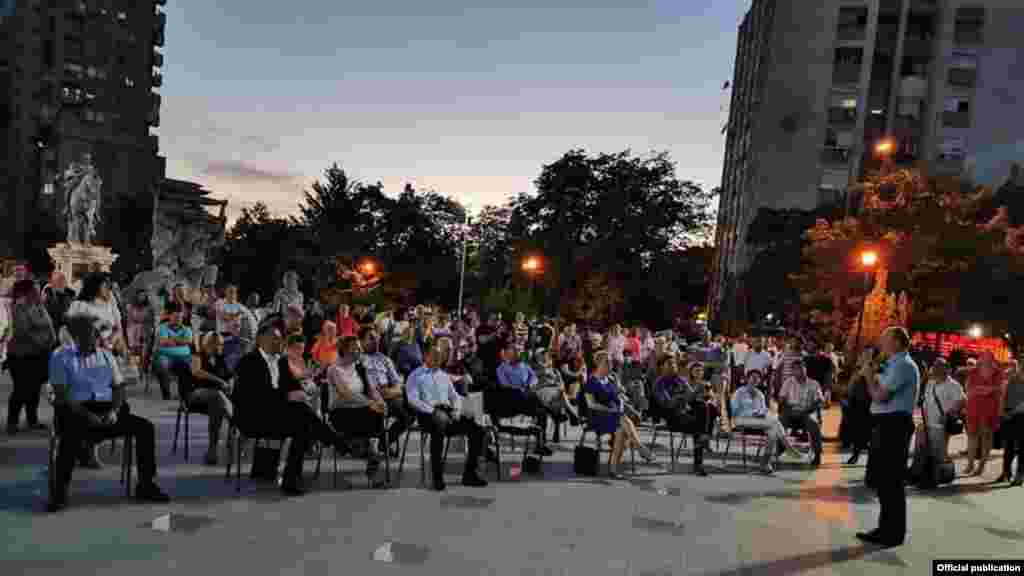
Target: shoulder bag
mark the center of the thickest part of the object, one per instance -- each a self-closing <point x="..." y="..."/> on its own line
<point x="953" y="423"/>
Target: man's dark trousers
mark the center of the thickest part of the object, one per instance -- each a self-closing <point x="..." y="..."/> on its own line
<point x="887" y="467"/>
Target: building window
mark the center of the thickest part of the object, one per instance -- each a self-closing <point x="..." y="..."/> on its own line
<point x="963" y="70"/>
<point x="129" y="83"/>
<point x="122" y="17"/>
<point x="970" y="23"/>
<point x="853" y="23"/>
<point x="957" y="112"/>
<point x="952" y="150"/>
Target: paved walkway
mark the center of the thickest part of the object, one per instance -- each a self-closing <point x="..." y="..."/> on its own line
<point x="657" y="523"/>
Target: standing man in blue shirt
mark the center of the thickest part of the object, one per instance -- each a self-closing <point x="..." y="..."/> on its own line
<point x="438" y="408"/>
<point x="892" y="388"/>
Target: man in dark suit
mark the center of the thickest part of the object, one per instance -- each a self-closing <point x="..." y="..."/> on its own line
<point x="262" y="408"/>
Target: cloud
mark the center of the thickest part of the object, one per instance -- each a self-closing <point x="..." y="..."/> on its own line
<point x="237" y="170"/>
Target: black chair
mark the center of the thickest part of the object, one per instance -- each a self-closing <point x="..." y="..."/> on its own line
<point x="236" y="438"/>
<point x="185" y="408"/>
<point x="745" y="437"/>
<point x="501" y="426"/>
<point x="325" y="415"/>
<point x="424" y="438"/>
<point x="56" y="430"/>
<point x="587" y="426"/>
<point x="658" y="424"/>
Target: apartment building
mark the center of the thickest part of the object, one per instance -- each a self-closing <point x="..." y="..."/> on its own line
<point x="818" y="84"/>
<point x="79" y="79"/>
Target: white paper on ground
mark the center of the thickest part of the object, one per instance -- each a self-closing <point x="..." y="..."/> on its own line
<point x="162" y="523"/>
<point x="383" y="553"/>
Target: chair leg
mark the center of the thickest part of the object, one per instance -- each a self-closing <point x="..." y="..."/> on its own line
<point x="177" y="428"/>
<point x="401" y="463"/>
<point x="126" y="464"/>
<point x="387" y="458"/>
<point x="497" y="451"/>
<point x="654" y="438"/>
<point x="238" y="464"/>
<point x="671" y="451"/>
<point x="728" y="445"/>
<point x="232" y="448"/>
<point x="335" y="458"/>
<point x="186" y="434"/>
<point x="423" y="460"/>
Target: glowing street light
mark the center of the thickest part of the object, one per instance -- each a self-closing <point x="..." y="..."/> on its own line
<point x="885" y="147"/>
<point x="531" y="264"/>
<point x="975" y="331"/>
<point x="369" y="268"/>
<point x="868" y="258"/>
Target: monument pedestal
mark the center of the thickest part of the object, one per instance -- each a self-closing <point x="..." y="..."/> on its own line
<point x="75" y="261"/>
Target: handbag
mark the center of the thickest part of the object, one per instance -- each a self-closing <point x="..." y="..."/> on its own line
<point x="584" y="461"/>
<point x="265" y="461"/>
<point x="953" y="424"/>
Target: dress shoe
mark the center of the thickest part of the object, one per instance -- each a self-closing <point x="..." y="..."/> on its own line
<point x="1004" y="477"/>
<point x="768" y="470"/>
<point x="854" y="458"/>
<point x="293" y="488"/>
<point x="700" y="471"/>
<point x="878" y="539"/>
<point x="439" y="486"/>
<point x="1018" y="481"/>
<point x="473" y="481"/>
<point x="150" y="492"/>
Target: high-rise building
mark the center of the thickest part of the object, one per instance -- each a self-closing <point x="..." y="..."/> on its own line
<point x="818" y="84"/>
<point x="78" y="84"/>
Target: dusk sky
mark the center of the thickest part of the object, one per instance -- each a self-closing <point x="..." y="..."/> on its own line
<point x="467" y="98"/>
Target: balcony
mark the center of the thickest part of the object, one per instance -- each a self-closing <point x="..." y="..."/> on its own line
<point x="958" y="119"/>
<point x="153" y="118"/>
<point x="851" y="34"/>
<point x="832" y="156"/>
<point x="158" y="59"/>
<point x="963" y="77"/>
<point x="158" y="29"/>
<point x="158" y="79"/>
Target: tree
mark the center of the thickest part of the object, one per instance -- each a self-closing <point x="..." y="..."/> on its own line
<point x="258" y="249"/>
<point x="931" y="233"/>
<point x="628" y="209"/>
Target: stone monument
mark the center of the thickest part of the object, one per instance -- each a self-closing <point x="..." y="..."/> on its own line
<point x="78" y="256"/>
<point x="186" y="238"/>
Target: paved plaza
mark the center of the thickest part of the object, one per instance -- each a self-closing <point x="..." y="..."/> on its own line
<point x="657" y="523"/>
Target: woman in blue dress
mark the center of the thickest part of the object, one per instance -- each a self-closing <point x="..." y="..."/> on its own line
<point x="607" y="409"/>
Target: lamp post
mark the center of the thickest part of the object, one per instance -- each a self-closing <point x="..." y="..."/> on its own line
<point x="868" y="259"/>
<point x="462" y="272"/>
<point x="532" y="267"/>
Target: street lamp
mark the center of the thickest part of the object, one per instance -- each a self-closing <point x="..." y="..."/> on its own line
<point x="868" y="259"/>
<point x="885" y="147"/>
<point x="368" y="268"/>
<point x="532" y="267"/>
<point x="975" y="331"/>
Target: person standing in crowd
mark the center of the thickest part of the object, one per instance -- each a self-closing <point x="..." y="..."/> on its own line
<point x="616" y="348"/>
<point x="893" y="389"/>
<point x="409" y="355"/>
<point x="569" y="343"/>
<point x="252" y="302"/>
<point x="58" y="298"/>
<point x="820" y="368"/>
<point x="758" y="358"/>
<point x="738" y="355"/>
<point x="857" y="413"/>
<point x="28" y="354"/>
<point x="84" y="378"/>
<point x="942" y="397"/>
<point x="1013" y="429"/>
<point x="96" y="299"/>
<point x="347" y="325"/>
<point x="487" y="347"/>
<point x="646" y="345"/>
<point x="985" y="388"/>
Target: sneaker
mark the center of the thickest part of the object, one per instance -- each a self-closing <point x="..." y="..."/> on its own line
<point x="150" y="492"/>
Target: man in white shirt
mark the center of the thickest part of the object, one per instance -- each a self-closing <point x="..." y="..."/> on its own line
<point x="799" y="399"/>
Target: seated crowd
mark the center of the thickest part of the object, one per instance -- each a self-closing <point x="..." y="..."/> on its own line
<point x="362" y="380"/>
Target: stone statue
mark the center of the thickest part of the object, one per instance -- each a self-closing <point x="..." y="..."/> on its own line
<point x="288" y="294"/>
<point x="82" y="194"/>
